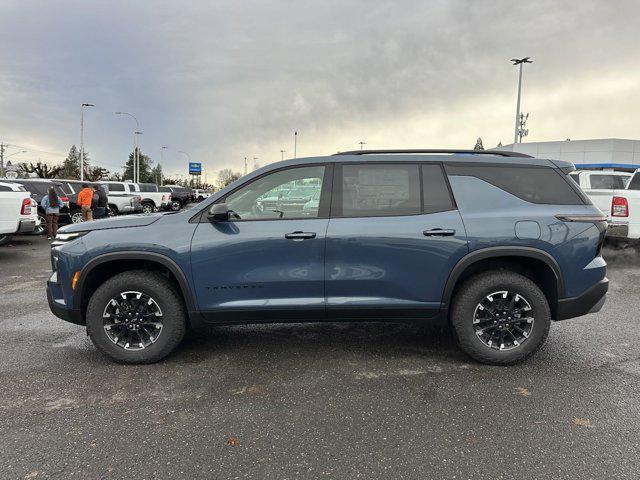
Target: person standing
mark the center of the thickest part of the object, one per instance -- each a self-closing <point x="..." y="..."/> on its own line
<point x="85" y="198"/>
<point x="51" y="204"/>
<point x="100" y="208"/>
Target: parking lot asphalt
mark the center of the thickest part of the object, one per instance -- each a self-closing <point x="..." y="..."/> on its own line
<point x="360" y="400"/>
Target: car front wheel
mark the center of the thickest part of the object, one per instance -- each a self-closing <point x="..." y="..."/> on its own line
<point x="136" y="317"/>
<point x="175" y="205"/>
<point x="147" y="208"/>
<point x="76" y="216"/>
<point x="500" y="317"/>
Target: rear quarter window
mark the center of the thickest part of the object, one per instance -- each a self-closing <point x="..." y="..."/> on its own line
<point x="606" y="182"/>
<point x="540" y="185"/>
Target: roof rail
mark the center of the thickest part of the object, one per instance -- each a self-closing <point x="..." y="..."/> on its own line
<point x="500" y="153"/>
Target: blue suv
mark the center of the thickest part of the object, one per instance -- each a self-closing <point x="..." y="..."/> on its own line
<point x="496" y="243"/>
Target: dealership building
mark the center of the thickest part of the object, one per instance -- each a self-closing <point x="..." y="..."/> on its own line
<point x="598" y="153"/>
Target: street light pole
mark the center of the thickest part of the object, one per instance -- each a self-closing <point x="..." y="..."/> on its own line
<point x="254" y="162"/>
<point x="162" y="149"/>
<point x="187" y="155"/>
<point x="282" y="152"/>
<point x="295" y="144"/>
<point x="519" y="62"/>
<point x="136" y="166"/>
<point x="82" y="138"/>
<point x="362" y="144"/>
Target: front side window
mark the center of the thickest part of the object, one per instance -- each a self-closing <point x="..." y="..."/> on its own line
<point x="285" y="194"/>
<point x="376" y="189"/>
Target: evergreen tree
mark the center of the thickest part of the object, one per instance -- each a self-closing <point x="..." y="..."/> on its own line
<point x="479" y="145"/>
<point x="71" y="164"/>
<point x="156" y="174"/>
<point x="146" y="175"/>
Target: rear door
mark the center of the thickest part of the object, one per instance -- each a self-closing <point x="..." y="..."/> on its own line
<point x="392" y="240"/>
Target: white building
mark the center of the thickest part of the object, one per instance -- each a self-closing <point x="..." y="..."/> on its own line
<point x="597" y="153"/>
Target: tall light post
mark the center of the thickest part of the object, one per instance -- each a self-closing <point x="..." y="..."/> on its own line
<point x="295" y="144"/>
<point x="136" y="166"/>
<point x="362" y="144"/>
<point x="187" y="155"/>
<point x="282" y="152"/>
<point x="82" y="138"/>
<point x="162" y="149"/>
<point x="255" y="165"/>
<point x="519" y="62"/>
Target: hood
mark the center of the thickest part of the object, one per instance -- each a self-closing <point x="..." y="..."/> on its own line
<point x="125" y="221"/>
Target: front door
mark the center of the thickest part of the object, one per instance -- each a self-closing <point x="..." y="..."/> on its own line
<point x="392" y="241"/>
<point x="267" y="263"/>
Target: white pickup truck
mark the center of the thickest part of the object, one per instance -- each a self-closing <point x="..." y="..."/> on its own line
<point x="617" y="194"/>
<point x="18" y="211"/>
<point x="151" y="198"/>
<point x="124" y="197"/>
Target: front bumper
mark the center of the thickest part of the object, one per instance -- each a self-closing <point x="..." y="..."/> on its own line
<point x="58" y="306"/>
<point x="590" y="301"/>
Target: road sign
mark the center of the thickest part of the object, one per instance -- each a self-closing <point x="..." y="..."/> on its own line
<point x="195" y="168"/>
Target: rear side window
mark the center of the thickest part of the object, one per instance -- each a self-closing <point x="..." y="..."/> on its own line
<point x="435" y="192"/>
<point x="37" y="188"/>
<point x="608" y="182"/>
<point x="634" y="184"/>
<point x="575" y="177"/>
<point x="147" y="188"/>
<point x="115" y="187"/>
<point x="4" y="188"/>
<point x="369" y="190"/>
<point x="534" y="184"/>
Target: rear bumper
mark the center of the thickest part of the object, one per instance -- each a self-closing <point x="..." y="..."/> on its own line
<point x="590" y="301"/>
<point x="26" y="226"/>
<point x="617" y="230"/>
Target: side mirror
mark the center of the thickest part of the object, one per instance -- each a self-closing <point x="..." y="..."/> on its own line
<point x="219" y="212"/>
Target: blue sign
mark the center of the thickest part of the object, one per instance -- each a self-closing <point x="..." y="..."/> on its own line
<point x="195" y="168"/>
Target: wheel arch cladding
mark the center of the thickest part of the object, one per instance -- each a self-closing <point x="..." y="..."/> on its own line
<point x="107" y="265"/>
<point x="535" y="264"/>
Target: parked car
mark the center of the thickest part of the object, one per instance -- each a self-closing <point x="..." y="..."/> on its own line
<point x="180" y="196"/>
<point x="151" y="198"/>
<point x="38" y="188"/>
<point x="18" y="212"/>
<point x="200" y="194"/>
<point x="617" y="195"/>
<point x="123" y="198"/>
<point x="498" y="244"/>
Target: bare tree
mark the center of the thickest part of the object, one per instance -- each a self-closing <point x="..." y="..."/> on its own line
<point x="41" y="169"/>
<point x="226" y="176"/>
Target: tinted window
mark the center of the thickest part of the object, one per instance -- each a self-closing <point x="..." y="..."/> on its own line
<point x="575" y="177"/>
<point x="533" y="184"/>
<point x="435" y="193"/>
<point x="146" y="187"/>
<point x="115" y="187"/>
<point x="283" y="194"/>
<point x="378" y="190"/>
<point x="608" y="182"/>
<point x="164" y="189"/>
<point x="36" y="187"/>
<point x="5" y="189"/>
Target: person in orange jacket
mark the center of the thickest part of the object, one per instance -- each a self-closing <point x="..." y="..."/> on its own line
<point x="84" y="200"/>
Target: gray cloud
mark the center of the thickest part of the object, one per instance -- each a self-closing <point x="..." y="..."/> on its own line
<point x="227" y="79"/>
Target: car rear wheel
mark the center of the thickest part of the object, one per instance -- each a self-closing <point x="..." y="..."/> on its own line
<point x="147" y="208"/>
<point x="175" y="205"/>
<point x="136" y="317"/>
<point x="500" y="317"/>
<point x="112" y="211"/>
<point x="41" y="228"/>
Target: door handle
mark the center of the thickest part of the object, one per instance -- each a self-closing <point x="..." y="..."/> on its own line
<point x="299" y="235"/>
<point x="439" y="232"/>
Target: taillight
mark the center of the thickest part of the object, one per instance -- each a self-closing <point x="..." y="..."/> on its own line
<point x="619" y="207"/>
<point x="26" y="207"/>
<point x="64" y="199"/>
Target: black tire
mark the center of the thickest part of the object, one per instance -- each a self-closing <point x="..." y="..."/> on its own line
<point x="156" y="286"/>
<point x="148" y="208"/>
<point x="4" y="239"/>
<point x="112" y="211"/>
<point x="42" y="228"/>
<point x="176" y="205"/>
<point x="474" y="291"/>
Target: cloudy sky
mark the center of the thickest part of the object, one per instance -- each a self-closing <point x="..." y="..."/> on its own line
<point x="223" y="80"/>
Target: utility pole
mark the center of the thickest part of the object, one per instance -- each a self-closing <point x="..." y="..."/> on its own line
<point x="362" y="144"/>
<point x="162" y="149"/>
<point x="282" y="152"/>
<point x="255" y="165"/>
<point x="519" y="62"/>
<point x="245" y="165"/>
<point x="295" y="144"/>
<point x="136" y="170"/>
<point x="1" y="160"/>
<point x="522" y="122"/>
<point x="82" y="138"/>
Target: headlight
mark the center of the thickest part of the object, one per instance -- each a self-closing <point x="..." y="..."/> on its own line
<point x="62" y="238"/>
